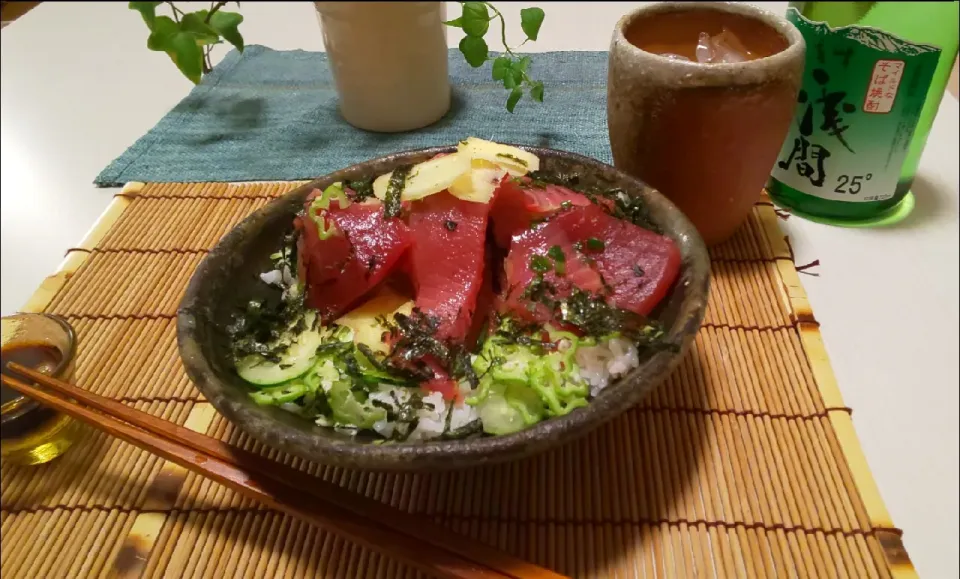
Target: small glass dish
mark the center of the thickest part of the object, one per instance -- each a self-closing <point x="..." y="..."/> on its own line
<point x="29" y="432"/>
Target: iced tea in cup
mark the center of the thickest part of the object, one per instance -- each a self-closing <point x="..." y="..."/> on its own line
<point x="699" y="100"/>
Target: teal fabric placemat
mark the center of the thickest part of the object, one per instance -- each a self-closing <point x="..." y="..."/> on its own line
<point x="272" y="115"/>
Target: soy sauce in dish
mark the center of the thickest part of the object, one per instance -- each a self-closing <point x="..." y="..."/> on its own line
<point x="40" y="357"/>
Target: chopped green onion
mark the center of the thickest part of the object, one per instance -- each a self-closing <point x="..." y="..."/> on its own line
<point x="594" y="244"/>
<point x="539" y="264"/>
<point x="324" y="229"/>
<point x="321" y="203"/>
<point x="559" y="259"/>
<point x="332" y="192"/>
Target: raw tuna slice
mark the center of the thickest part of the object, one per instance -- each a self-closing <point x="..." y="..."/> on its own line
<point x="519" y="272"/>
<point x="631" y="266"/>
<point x="342" y="268"/>
<point x="638" y="264"/>
<point x="447" y="259"/>
<point x="516" y="206"/>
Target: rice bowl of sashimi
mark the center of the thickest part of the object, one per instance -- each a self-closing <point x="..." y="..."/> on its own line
<point x="444" y="307"/>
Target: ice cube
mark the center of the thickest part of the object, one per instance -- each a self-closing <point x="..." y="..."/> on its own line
<point x="728" y="48"/>
<point x="724" y="48"/>
<point x="705" y="48"/>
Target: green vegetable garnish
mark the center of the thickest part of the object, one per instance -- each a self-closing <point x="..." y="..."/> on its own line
<point x="594" y="244"/>
<point x="325" y="229"/>
<point x="280" y="394"/>
<point x="349" y="409"/>
<point x="559" y="259"/>
<point x="332" y="193"/>
<point x="539" y="264"/>
<point x="319" y="205"/>
<point x="525" y="380"/>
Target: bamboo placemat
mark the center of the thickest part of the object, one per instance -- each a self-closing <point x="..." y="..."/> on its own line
<point x="743" y="464"/>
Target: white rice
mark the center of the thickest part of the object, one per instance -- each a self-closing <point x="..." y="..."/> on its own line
<point x="283" y="279"/>
<point x="431" y="419"/>
<point x="608" y="360"/>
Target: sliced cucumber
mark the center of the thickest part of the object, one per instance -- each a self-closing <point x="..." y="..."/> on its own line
<point x="294" y="362"/>
<point x="347" y="409"/>
<point x="280" y="394"/>
<point x="499" y="417"/>
<point x="371" y="372"/>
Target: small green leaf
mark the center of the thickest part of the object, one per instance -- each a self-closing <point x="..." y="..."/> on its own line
<point x="195" y="24"/>
<point x="164" y="29"/>
<point x="501" y="66"/>
<point x="530" y="21"/>
<point x="515" y="74"/>
<point x="226" y="24"/>
<point x="147" y="10"/>
<point x="522" y="64"/>
<point x="456" y="22"/>
<point x="514" y="98"/>
<point x="536" y="91"/>
<point x="187" y="55"/>
<point x="511" y="78"/>
<point x="475" y="50"/>
<point x="475" y="19"/>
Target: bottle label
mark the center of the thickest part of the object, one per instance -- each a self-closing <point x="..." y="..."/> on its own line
<point x="863" y="90"/>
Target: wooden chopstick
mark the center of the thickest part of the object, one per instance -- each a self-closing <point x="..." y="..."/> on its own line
<point x="430" y="547"/>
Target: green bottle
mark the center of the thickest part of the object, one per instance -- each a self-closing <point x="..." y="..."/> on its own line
<point x="875" y="74"/>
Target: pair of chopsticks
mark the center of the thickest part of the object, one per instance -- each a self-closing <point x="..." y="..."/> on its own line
<point x="431" y="548"/>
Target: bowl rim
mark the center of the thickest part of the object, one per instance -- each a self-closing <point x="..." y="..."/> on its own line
<point x="431" y="455"/>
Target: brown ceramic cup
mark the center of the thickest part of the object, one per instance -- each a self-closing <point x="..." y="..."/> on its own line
<point x="704" y="135"/>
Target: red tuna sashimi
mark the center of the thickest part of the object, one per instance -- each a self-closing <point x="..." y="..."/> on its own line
<point x="518" y="274"/>
<point x="637" y="266"/>
<point x="341" y="269"/>
<point x="516" y="206"/>
<point x="447" y="259"/>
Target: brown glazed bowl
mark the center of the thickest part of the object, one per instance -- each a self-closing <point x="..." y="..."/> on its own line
<point x="228" y="277"/>
<point x="704" y="135"/>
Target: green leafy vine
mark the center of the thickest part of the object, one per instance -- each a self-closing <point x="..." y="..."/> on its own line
<point x="508" y="68"/>
<point x="188" y="37"/>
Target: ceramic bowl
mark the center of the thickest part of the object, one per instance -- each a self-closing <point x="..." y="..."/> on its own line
<point x="228" y="277"/>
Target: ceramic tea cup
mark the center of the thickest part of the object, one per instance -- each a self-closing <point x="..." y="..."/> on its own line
<point x="705" y="134"/>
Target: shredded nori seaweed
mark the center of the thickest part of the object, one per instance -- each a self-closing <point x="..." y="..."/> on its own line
<point x="362" y="189"/>
<point x="398" y="179"/>
<point x="258" y="325"/>
<point x="626" y="207"/>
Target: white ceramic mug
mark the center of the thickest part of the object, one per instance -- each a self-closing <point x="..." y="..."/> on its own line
<point x="389" y="61"/>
